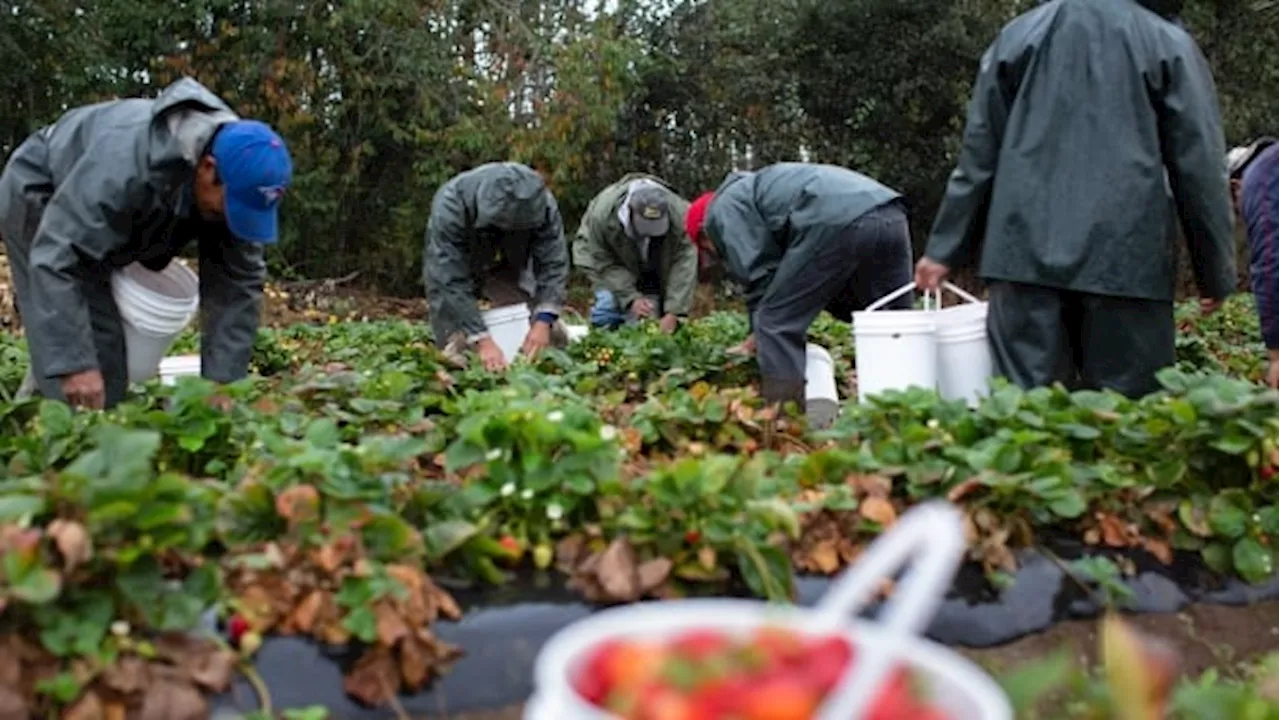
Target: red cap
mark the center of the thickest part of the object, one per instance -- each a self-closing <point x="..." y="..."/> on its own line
<point x="696" y="214"/>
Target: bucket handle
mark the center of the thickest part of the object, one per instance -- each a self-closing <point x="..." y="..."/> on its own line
<point x="931" y="538"/>
<point x="934" y="295"/>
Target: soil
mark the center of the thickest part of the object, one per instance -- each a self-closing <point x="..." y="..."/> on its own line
<point x="1206" y="636"/>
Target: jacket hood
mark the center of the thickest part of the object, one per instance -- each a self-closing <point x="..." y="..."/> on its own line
<point x="184" y="118"/>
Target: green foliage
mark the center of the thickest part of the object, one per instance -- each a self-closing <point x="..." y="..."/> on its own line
<point x="383" y="101"/>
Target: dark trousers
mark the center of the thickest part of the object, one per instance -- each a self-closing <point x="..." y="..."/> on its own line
<point x="1040" y="336"/>
<point x="852" y="267"/>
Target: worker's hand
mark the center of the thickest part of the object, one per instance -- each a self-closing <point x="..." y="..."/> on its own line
<point x="642" y="307"/>
<point x="1209" y="306"/>
<point x="1273" y="367"/>
<point x="930" y="274"/>
<point x="84" y="389"/>
<point x="491" y="355"/>
<point x="746" y="347"/>
<point x="668" y="323"/>
<point x="537" y="340"/>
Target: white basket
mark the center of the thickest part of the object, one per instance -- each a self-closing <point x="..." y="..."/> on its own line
<point x="155" y="307"/>
<point x="508" y="327"/>
<point x="176" y="366"/>
<point x="943" y="349"/>
<point x="930" y="535"/>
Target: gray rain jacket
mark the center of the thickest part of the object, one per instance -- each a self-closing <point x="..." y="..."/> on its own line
<point x="105" y="186"/>
<point x="1086" y="115"/>
<point x="475" y="231"/>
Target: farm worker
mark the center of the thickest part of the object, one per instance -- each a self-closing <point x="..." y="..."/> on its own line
<point x="495" y="232"/>
<point x="138" y="180"/>
<point x="632" y="243"/>
<point x="1253" y="172"/>
<point x="1086" y="117"/>
<point x="802" y="238"/>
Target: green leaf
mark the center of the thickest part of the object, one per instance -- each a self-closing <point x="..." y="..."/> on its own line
<point x="1195" y="517"/>
<point x="1217" y="556"/>
<point x="37" y="586"/>
<point x="766" y="570"/>
<point x="776" y="513"/>
<point x="1269" y="520"/>
<point x="1254" y="562"/>
<point x="362" y="623"/>
<point x="1070" y="505"/>
<point x="13" y="508"/>
<point x="1030" y="682"/>
<point x="1226" y="515"/>
<point x="443" y="538"/>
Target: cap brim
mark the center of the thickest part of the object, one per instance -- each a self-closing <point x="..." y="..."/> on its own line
<point x="650" y="228"/>
<point x="252" y="224"/>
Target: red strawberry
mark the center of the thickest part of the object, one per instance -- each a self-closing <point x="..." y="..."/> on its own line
<point x="237" y="626"/>
<point x="511" y="545"/>
<point x="693" y="537"/>
<point x="826" y="661"/>
<point x="699" y="644"/>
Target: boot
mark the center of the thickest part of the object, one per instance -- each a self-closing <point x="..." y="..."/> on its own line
<point x="780" y="390"/>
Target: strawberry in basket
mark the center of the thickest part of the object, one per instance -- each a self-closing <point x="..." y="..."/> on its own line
<point x="774" y="674"/>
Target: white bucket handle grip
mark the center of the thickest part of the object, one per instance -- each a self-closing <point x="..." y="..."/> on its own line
<point x="960" y="292"/>
<point x="891" y="297"/>
<point x="935" y="295"/>
<point x="930" y="537"/>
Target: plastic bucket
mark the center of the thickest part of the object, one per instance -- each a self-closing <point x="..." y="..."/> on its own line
<point x="508" y="327"/>
<point x="822" y="400"/>
<point x="895" y="349"/>
<point x="155" y="307"/>
<point x="176" y="366"/>
<point x="932" y="533"/>
<point x="964" y="357"/>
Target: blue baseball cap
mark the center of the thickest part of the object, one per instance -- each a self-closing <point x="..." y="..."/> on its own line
<point x="255" y="169"/>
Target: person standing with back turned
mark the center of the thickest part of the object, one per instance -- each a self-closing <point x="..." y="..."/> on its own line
<point x="1086" y="115"/>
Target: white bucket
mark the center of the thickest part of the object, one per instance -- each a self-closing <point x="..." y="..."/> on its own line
<point x="176" y="366"/>
<point x="508" y="327"/>
<point x="964" y="357"/>
<point x="931" y="535"/>
<point x="155" y="307"/>
<point x="821" y="399"/>
<point x="895" y="349"/>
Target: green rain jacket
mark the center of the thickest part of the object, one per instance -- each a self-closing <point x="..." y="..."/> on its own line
<point x="764" y="224"/>
<point x="612" y="259"/>
<point x="475" y="230"/>
<point x="1086" y="116"/>
<point x="107" y="185"/>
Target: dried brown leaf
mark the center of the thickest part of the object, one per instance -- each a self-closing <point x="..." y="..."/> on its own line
<point x="374" y="679"/>
<point x="73" y="543"/>
<point x="824" y="557"/>
<point x="303" y="617"/>
<point x="870" y="485"/>
<point x="173" y="700"/>
<point x="127" y="675"/>
<point x="616" y="571"/>
<point x="878" y="509"/>
<point x="653" y="573"/>
<point x="391" y="627"/>
<point x="88" y="707"/>
<point x="1113" y="529"/>
<point x="1160" y="549"/>
<point x="963" y="489"/>
<point x="13" y="706"/>
<point x="10" y="664"/>
<point x="300" y="503"/>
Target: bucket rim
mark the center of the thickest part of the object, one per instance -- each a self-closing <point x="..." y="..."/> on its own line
<point x="506" y="313"/>
<point x="555" y="661"/>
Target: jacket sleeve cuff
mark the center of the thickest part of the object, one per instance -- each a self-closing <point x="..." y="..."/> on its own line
<point x="552" y="308"/>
